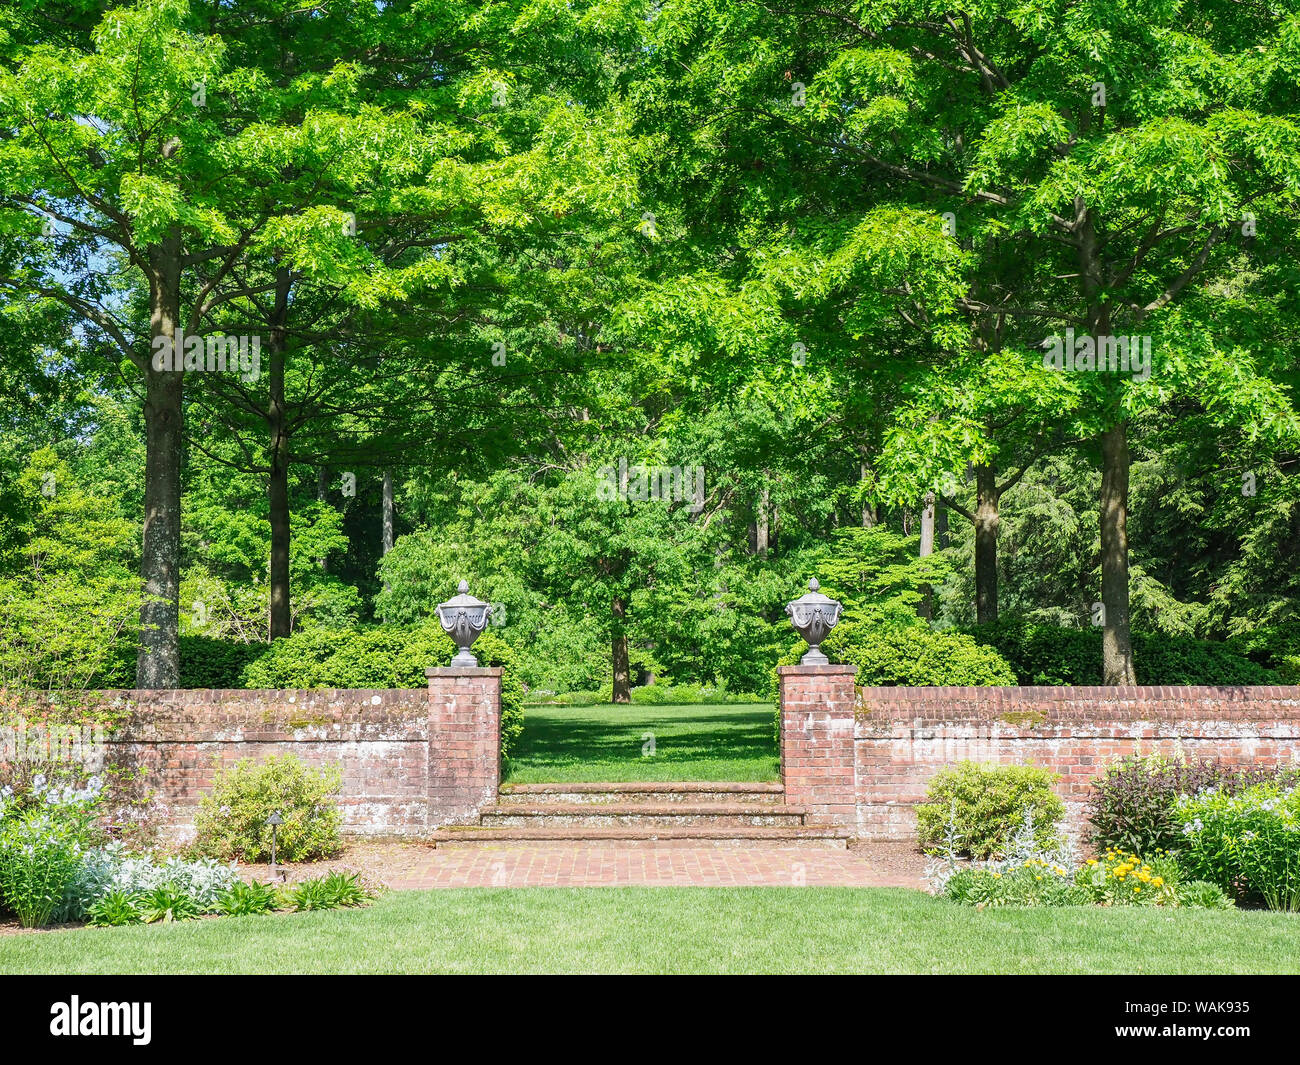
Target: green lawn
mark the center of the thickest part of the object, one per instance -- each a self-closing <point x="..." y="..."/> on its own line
<point x="604" y="743"/>
<point x="612" y="930"/>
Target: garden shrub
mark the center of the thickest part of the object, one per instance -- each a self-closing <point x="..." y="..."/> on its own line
<point x="1049" y="654"/>
<point x="1248" y="844"/>
<point x="987" y="804"/>
<point x="383" y="656"/>
<point x="1132" y="803"/>
<point x="231" y="819"/>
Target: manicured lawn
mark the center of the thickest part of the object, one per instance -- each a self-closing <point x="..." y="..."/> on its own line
<point x="612" y="930"/>
<point x="604" y="743"/>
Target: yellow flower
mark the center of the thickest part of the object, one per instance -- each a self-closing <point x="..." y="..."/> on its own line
<point x="1158" y="882"/>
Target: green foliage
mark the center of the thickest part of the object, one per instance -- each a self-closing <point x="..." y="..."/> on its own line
<point x="1026" y="885"/>
<point x="67" y="596"/>
<point x="987" y="804"/>
<point x="329" y="892"/>
<point x="208" y="662"/>
<point x="878" y="576"/>
<point x="115" y="908"/>
<point x="383" y="656"/>
<point x="917" y="656"/>
<point x="1247" y="844"/>
<point x="166" y="903"/>
<point x="1276" y="647"/>
<point x="1116" y="879"/>
<point x="245" y="899"/>
<point x="1044" y="654"/>
<point x="231" y="819"/>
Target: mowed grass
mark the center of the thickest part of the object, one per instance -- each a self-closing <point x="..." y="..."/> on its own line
<point x="606" y="743"/>
<point x="679" y="930"/>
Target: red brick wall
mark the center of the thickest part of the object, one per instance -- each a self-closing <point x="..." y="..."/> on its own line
<point x="900" y="737"/>
<point x="464" y="742"/>
<point x="817" y="741"/>
<point x="410" y="760"/>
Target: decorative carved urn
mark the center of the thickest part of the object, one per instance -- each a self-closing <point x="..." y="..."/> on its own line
<point x="813" y="616"/>
<point x="463" y="617"/>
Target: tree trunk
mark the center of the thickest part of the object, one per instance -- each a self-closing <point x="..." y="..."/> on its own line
<point x="388" y="512"/>
<point x="278" y="484"/>
<point x="926" y="608"/>
<point x="986" y="544"/>
<point x="322" y="489"/>
<point x="618" y="647"/>
<point x="869" y="515"/>
<point x="762" y="528"/>
<point x="158" y="661"/>
<point x="1116" y="642"/>
<point x="387" y="523"/>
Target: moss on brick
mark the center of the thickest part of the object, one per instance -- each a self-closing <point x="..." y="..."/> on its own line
<point x="1022" y="718"/>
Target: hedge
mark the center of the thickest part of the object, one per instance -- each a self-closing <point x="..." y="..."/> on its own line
<point x="1048" y="654"/>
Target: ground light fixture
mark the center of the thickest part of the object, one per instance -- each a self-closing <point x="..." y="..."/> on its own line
<point x="275" y="821"/>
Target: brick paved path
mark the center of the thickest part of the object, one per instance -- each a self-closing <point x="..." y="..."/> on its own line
<point x="657" y="864"/>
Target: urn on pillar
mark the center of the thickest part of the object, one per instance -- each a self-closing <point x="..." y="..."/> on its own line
<point x="463" y="617"/>
<point x="813" y="616"/>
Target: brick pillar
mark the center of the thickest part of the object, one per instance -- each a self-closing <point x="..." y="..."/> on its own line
<point x="817" y="741"/>
<point x="464" y="742"/>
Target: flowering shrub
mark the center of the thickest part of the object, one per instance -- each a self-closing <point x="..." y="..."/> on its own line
<point x="43" y="835"/>
<point x="231" y="821"/>
<point x="39" y="856"/>
<point x="988" y="804"/>
<point x="1033" y="875"/>
<point x="1132" y="805"/>
<point x="1248" y="844"/>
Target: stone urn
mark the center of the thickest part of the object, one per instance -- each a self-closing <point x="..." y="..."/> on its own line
<point x="813" y="616"/>
<point x="463" y="618"/>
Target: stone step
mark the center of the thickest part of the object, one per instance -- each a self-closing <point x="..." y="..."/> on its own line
<point x="687" y="835"/>
<point x="666" y="814"/>
<point x="707" y="791"/>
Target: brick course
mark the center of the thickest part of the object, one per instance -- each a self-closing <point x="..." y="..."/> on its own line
<point x="882" y="745"/>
